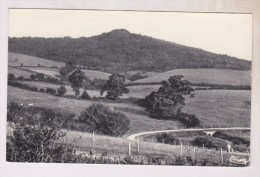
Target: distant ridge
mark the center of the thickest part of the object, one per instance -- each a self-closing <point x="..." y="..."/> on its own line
<point x="120" y="50"/>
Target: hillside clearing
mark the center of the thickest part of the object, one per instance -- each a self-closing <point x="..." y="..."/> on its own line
<point x="17" y="59"/>
<point x="209" y="76"/>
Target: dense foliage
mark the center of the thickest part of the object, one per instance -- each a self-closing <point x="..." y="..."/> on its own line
<point x="102" y="119"/>
<point x="61" y="90"/>
<point x="168" y="101"/>
<point x="120" y="50"/>
<point x="76" y="79"/>
<point x="115" y="86"/>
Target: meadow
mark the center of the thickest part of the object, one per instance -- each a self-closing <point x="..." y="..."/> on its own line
<point x="209" y="76"/>
<point x="17" y="59"/>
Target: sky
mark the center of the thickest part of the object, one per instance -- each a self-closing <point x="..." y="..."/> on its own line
<point x="220" y="33"/>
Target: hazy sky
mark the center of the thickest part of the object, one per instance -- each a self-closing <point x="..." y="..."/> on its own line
<point x="229" y="34"/>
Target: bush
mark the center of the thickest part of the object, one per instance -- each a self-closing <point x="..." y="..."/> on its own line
<point x="36" y="143"/>
<point x="13" y="108"/>
<point x="167" y="139"/>
<point x="101" y="119"/>
<point x="11" y="77"/>
<point x="51" y="91"/>
<point x="39" y="76"/>
<point x="203" y="141"/>
<point x="61" y="90"/>
<point x="32" y="77"/>
<point x="189" y="120"/>
<point x="20" y="78"/>
<point x="85" y="95"/>
<point x="42" y="90"/>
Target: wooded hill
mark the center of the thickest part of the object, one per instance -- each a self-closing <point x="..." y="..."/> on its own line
<point x="120" y="50"/>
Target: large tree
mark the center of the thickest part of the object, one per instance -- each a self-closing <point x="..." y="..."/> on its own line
<point x="115" y="86"/>
<point x="76" y="79"/>
<point x="169" y="100"/>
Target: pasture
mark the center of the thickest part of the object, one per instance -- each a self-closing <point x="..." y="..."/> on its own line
<point x="221" y="108"/>
<point x="17" y="59"/>
<point x="20" y="72"/>
<point x="209" y="76"/>
<point x="139" y="122"/>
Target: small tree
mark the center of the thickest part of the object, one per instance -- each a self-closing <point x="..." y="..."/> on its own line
<point x="39" y="76"/>
<point x="33" y="77"/>
<point x="85" y="95"/>
<point x="11" y="77"/>
<point x="65" y="70"/>
<point x="76" y="80"/>
<point x="115" y="87"/>
<point x="61" y="90"/>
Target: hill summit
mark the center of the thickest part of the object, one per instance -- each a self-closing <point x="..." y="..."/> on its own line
<point x="120" y="50"/>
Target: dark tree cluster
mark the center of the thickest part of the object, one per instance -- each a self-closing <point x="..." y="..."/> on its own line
<point x="114" y="87"/>
<point x="169" y="100"/>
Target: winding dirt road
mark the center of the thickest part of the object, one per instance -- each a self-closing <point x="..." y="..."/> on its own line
<point x="135" y="136"/>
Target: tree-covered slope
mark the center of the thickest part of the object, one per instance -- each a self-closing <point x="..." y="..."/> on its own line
<point x="119" y="50"/>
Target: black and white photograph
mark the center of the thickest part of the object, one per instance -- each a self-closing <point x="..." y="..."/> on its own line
<point x="129" y="87"/>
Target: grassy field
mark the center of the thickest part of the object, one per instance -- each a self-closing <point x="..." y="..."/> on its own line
<point x="91" y="74"/>
<point x="20" y="72"/>
<point x="53" y="72"/>
<point x="209" y="76"/>
<point x="221" y="107"/>
<point x="138" y="122"/>
<point x="16" y="59"/>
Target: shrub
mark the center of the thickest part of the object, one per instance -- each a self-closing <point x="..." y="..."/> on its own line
<point x="20" y="78"/>
<point x="13" y="108"/>
<point x="61" y="90"/>
<point x="36" y="143"/>
<point x="51" y="91"/>
<point x="39" y="76"/>
<point x="42" y="90"/>
<point x="11" y="77"/>
<point x="32" y="77"/>
<point x="167" y="139"/>
<point x="189" y="120"/>
<point x="85" y="95"/>
<point x="203" y="141"/>
<point x="103" y="120"/>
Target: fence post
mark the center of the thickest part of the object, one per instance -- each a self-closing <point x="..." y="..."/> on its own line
<point x="181" y="149"/>
<point x="221" y="155"/>
<point x="93" y="141"/>
<point x="129" y="148"/>
<point x="194" y="154"/>
<point x="138" y="147"/>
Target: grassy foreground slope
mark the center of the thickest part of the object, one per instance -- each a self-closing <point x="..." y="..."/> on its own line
<point x="17" y="59"/>
<point x="138" y="120"/>
<point x="209" y="76"/>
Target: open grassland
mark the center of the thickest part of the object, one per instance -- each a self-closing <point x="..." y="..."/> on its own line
<point x="17" y="59"/>
<point x="92" y="74"/>
<point x="221" y="107"/>
<point x="139" y="122"/>
<point x="53" y="72"/>
<point x="209" y="76"/>
<point x="215" y="108"/>
<point x="20" y="72"/>
<point x="141" y="91"/>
